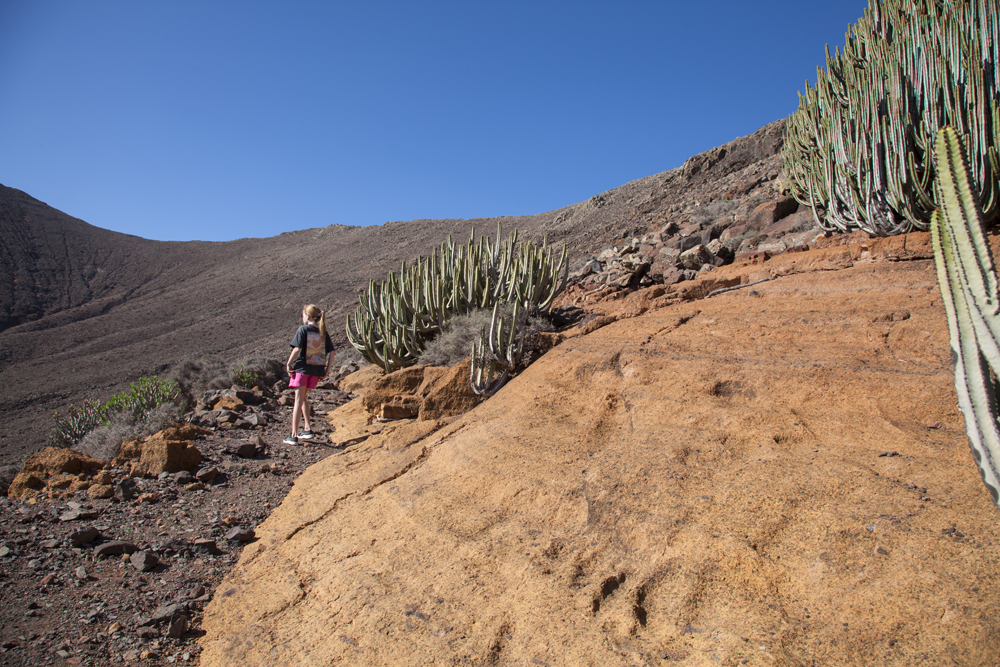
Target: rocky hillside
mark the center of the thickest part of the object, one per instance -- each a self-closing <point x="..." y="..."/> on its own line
<point x="84" y="311"/>
<point x="777" y="475"/>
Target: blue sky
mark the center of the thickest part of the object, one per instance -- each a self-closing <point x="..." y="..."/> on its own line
<point x="220" y="120"/>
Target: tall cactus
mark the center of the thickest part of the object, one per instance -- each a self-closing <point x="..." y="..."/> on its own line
<point x="859" y="150"/>
<point x="498" y="352"/>
<point x="398" y="316"/>
<point x="968" y="281"/>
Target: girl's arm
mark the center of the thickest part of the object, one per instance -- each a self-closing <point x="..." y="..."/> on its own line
<point x="291" y="359"/>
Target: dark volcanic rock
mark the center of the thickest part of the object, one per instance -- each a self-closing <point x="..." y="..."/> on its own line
<point x="117" y="305"/>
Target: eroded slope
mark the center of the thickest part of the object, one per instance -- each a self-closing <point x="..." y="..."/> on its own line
<point x="778" y="475"/>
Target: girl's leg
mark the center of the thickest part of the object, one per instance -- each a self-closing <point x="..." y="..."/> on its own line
<point x="297" y="410"/>
<point x="304" y="392"/>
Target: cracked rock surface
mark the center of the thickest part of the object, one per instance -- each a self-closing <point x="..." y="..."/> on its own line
<point x="699" y="482"/>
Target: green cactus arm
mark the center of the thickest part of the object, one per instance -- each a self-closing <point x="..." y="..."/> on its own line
<point x="966" y="275"/>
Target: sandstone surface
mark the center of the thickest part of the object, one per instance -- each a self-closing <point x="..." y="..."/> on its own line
<point x="777" y="475"/>
<point x="55" y="468"/>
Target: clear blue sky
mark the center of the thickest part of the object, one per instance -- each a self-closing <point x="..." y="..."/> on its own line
<point x="180" y="120"/>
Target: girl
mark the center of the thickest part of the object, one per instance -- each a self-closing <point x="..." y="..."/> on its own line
<point x="309" y="361"/>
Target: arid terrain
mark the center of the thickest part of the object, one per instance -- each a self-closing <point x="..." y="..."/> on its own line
<point x="85" y="311"/>
<point x="777" y="475"/>
<point x="772" y="475"/>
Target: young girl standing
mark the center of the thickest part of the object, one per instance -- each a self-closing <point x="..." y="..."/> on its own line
<point x="309" y="361"/>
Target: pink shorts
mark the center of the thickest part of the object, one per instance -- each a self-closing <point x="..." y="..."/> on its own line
<point x="303" y="380"/>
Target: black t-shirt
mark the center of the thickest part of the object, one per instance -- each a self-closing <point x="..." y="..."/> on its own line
<point x="312" y="351"/>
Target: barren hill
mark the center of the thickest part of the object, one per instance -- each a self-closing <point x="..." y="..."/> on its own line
<point x="773" y="476"/>
<point x="84" y="311"/>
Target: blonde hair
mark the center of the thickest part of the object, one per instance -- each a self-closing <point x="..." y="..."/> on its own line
<point x="316" y="315"/>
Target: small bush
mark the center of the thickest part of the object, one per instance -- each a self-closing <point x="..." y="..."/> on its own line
<point x="454" y="343"/>
<point x="348" y="355"/>
<point x="712" y="212"/>
<point x="257" y="371"/>
<point x="197" y="376"/>
<point x="105" y="440"/>
<point x="533" y="329"/>
<point x="144" y="395"/>
<point x="244" y="377"/>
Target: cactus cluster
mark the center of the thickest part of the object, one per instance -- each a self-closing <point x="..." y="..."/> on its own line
<point x="968" y="281"/>
<point x="144" y="395"/>
<point x="397" y="316"/>
<point x="860" y="148"/>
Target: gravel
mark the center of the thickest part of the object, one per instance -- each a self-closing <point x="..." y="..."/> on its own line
<point x="113" y="581"/>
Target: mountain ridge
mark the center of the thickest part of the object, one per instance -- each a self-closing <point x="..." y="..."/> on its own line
<point x="84" y="310"/>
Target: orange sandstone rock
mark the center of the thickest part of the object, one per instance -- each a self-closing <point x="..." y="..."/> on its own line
<point x="61" y="466"/>
<point x="701" y="482"/>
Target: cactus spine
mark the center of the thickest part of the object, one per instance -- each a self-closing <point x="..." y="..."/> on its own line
<point x="397" y="316"/>
<point x="968" y="281"/>
<point x="859" y="150"/>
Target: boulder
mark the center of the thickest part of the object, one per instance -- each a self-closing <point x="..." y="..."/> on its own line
<point x="674" y="276"/>
<point x="449" y="394"/>
<point x="690" y="230"/>
<point x="61" y="466"/>
<point x="229" y="403"/>
<point x="184" y="432"/>
<point x="162" y="455"/>
<point x="399" y="408"/>
<point x="114" y="548"/>
<point x="771" y="212"/>
<point x="80" y="537"/>
<point x="696" y="257"/>
<point x="668" y="256"/>
<point x="426" y="392"/>
<point x="169" y="450"/>
<point x="144" y="561"/>
<point x="359" y="381"/>
<point x="100" y="491"/>
<point x="249" y="397"/>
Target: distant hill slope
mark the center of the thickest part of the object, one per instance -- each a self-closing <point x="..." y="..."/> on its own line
<point x="84" y="311"/>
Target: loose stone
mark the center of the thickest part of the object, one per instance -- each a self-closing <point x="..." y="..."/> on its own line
<point x="144" y="561"/>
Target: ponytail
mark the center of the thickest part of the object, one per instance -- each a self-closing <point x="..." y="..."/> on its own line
<point x="316" y="315"/>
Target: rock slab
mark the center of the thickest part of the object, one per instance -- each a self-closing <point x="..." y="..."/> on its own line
<point x="700" y="484"/>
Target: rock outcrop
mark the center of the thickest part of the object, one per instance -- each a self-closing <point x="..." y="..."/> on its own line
<point x="54" y="470"/>
<point x="777" y="475"/>
<point x="169" y="450"/>
<point x="424" y="392"/>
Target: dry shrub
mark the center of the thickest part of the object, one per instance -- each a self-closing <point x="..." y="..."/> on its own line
<point x="197" y="376"/>
<point x="105" y="441"/>
<point x="454" y="343"/>
<point x="257" y="371"/>
<point x="348" y="355"/>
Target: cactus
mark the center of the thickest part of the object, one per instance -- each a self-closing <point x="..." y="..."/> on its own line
<point x="398" y="316"/>
<point x="143" y="396"/>
<point x="968" y="281"/>
<point x="497" y="353"/>
<point x="859" y="150"/>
